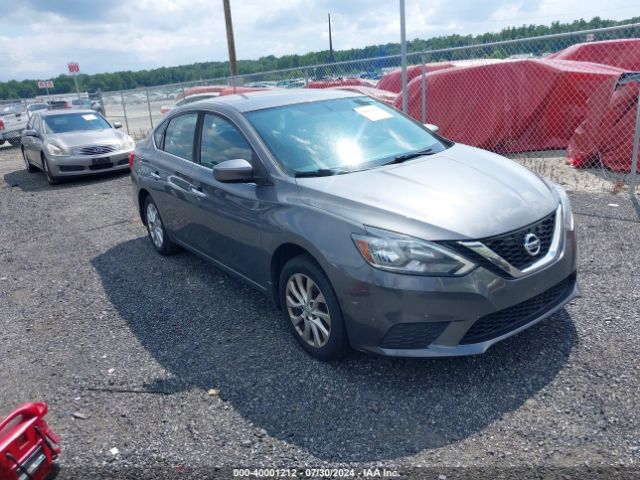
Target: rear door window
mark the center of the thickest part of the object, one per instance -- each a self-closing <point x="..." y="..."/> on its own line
<point x="180" y="134"/>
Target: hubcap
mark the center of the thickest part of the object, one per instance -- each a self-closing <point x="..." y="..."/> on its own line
<point x="154" y="224"/>
<point x="308" y="310"/>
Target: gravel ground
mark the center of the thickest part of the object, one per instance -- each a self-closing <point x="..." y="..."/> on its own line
<point x="100" y="327"/>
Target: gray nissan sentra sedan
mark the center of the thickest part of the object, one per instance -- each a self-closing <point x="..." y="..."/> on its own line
<point x="365" y="228"/>
<point x="74" y="142"/>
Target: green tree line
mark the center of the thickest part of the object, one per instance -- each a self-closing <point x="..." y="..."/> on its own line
<point x="209" y="70"/>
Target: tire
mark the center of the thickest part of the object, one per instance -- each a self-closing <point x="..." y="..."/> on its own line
<point x="14" y="142"/>
<point x="310" y="323"/>
<point x="156" y="231"/>
<point x="45" y="168"/>
<point x="30" y="168"/>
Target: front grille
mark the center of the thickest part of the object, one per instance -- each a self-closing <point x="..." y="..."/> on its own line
<point x="504" y="321"/>
<point x="510" y="246"/>
<point x="94" y="150"/>
<point x="412" y="335"/>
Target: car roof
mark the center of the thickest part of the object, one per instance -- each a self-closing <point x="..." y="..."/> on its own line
<point x="248" y="102"/>
<point x="75" y="111"/>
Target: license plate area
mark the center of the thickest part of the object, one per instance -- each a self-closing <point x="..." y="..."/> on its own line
<point x="100" y="161"/>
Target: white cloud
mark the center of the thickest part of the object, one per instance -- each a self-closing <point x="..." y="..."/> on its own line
<point x="38" y="37"/>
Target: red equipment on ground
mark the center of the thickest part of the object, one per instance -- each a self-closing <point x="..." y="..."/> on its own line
<point x="509" y="106"/>
<point x="392" y="81"/>
<point x="606" y="135"/>
<point x="28" y="446"/>
<point x="623" y="53"/>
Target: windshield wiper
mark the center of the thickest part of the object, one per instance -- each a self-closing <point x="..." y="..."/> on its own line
<point x="321" y="172"/>
<point x="408" y="156"/>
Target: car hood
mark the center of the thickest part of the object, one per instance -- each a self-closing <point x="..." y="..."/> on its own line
<point x="108" y="136"/>
<point x="460" y="193"/>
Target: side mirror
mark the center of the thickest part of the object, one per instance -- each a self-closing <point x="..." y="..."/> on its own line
<point x="432" y="127"/>
<point x="117" y="125"/>
<point x="236" y="170"/>
<point x="30" y="133"/>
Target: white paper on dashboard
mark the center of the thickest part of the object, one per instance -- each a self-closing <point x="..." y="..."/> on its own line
<point x="373" y="113"/>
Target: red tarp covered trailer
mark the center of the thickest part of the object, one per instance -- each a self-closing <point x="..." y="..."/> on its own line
<point x="509" y="106"/>
<point x="606" y="135"/>
<point x="392" y="81"/>
<point x="617" y="53"/>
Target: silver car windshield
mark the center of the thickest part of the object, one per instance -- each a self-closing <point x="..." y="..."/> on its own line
<point x="340" y="135"/>
<point x="75" y="122"/>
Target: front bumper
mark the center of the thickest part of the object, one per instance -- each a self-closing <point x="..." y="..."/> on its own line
<point x="417" y="316"/>
<point x="88" y="165"/>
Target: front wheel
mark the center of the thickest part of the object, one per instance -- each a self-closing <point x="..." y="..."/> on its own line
<point x="311" y="309"/>
<point x="156" y="231"/>
<point x="45" y="166"/>
<point x="30" y="168"/>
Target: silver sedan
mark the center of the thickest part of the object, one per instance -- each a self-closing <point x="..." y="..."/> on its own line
<point x="71" y="143"/>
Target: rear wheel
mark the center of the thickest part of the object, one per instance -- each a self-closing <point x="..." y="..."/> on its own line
<point x="155" y="228"/>
<point x="45" y="167"/>
<point x="311" y="309"/>
<point x="14" y="142"/>
<point x="30" y="168"/>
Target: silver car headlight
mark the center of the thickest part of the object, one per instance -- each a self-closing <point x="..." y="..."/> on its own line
<point x="56" y="151"/>
<point x="403" y="254"/>
<point x="567" y="214"/>
<point x="128" y="143"/>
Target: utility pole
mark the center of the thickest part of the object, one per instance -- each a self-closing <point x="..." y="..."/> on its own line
<point x="403" y="56"/>
<point x="330" y="40"/>
<point x="233" y="66"/>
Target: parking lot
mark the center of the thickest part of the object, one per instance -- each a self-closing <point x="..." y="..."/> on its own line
<point x="181" y="368"/>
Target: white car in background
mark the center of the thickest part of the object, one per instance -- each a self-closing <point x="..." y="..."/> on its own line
<point x="13" y="121"/>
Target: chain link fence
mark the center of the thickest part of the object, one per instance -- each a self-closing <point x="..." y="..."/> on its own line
<point x="564" y="105"/>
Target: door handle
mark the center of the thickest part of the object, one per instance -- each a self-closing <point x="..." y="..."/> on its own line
<point x="155" y="175"/>
<point x="198" y="192"/>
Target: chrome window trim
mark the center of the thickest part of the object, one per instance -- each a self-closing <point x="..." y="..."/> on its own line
<point x="555" y="247"/>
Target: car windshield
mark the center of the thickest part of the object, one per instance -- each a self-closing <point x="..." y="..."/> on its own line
<point x="75" y="122"/>
<point x="340" y="135"/>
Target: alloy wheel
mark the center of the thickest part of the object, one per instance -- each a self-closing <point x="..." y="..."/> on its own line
<point x="308" y="310"/>
<point x="154" y="224"/>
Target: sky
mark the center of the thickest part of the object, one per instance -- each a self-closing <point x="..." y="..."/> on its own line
<point x="39" y="37"/>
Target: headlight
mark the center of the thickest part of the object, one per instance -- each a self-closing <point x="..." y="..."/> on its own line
<point x="567" y="214"/>
<point x="56" y="150"/>
<point x="128" y="143"/>
<point x="402" y="254"/>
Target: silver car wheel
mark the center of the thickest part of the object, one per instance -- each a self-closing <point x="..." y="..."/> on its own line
<point x="308" y="310"/>
<point x="26" y="162"/>
<point x="154" y="224"/>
